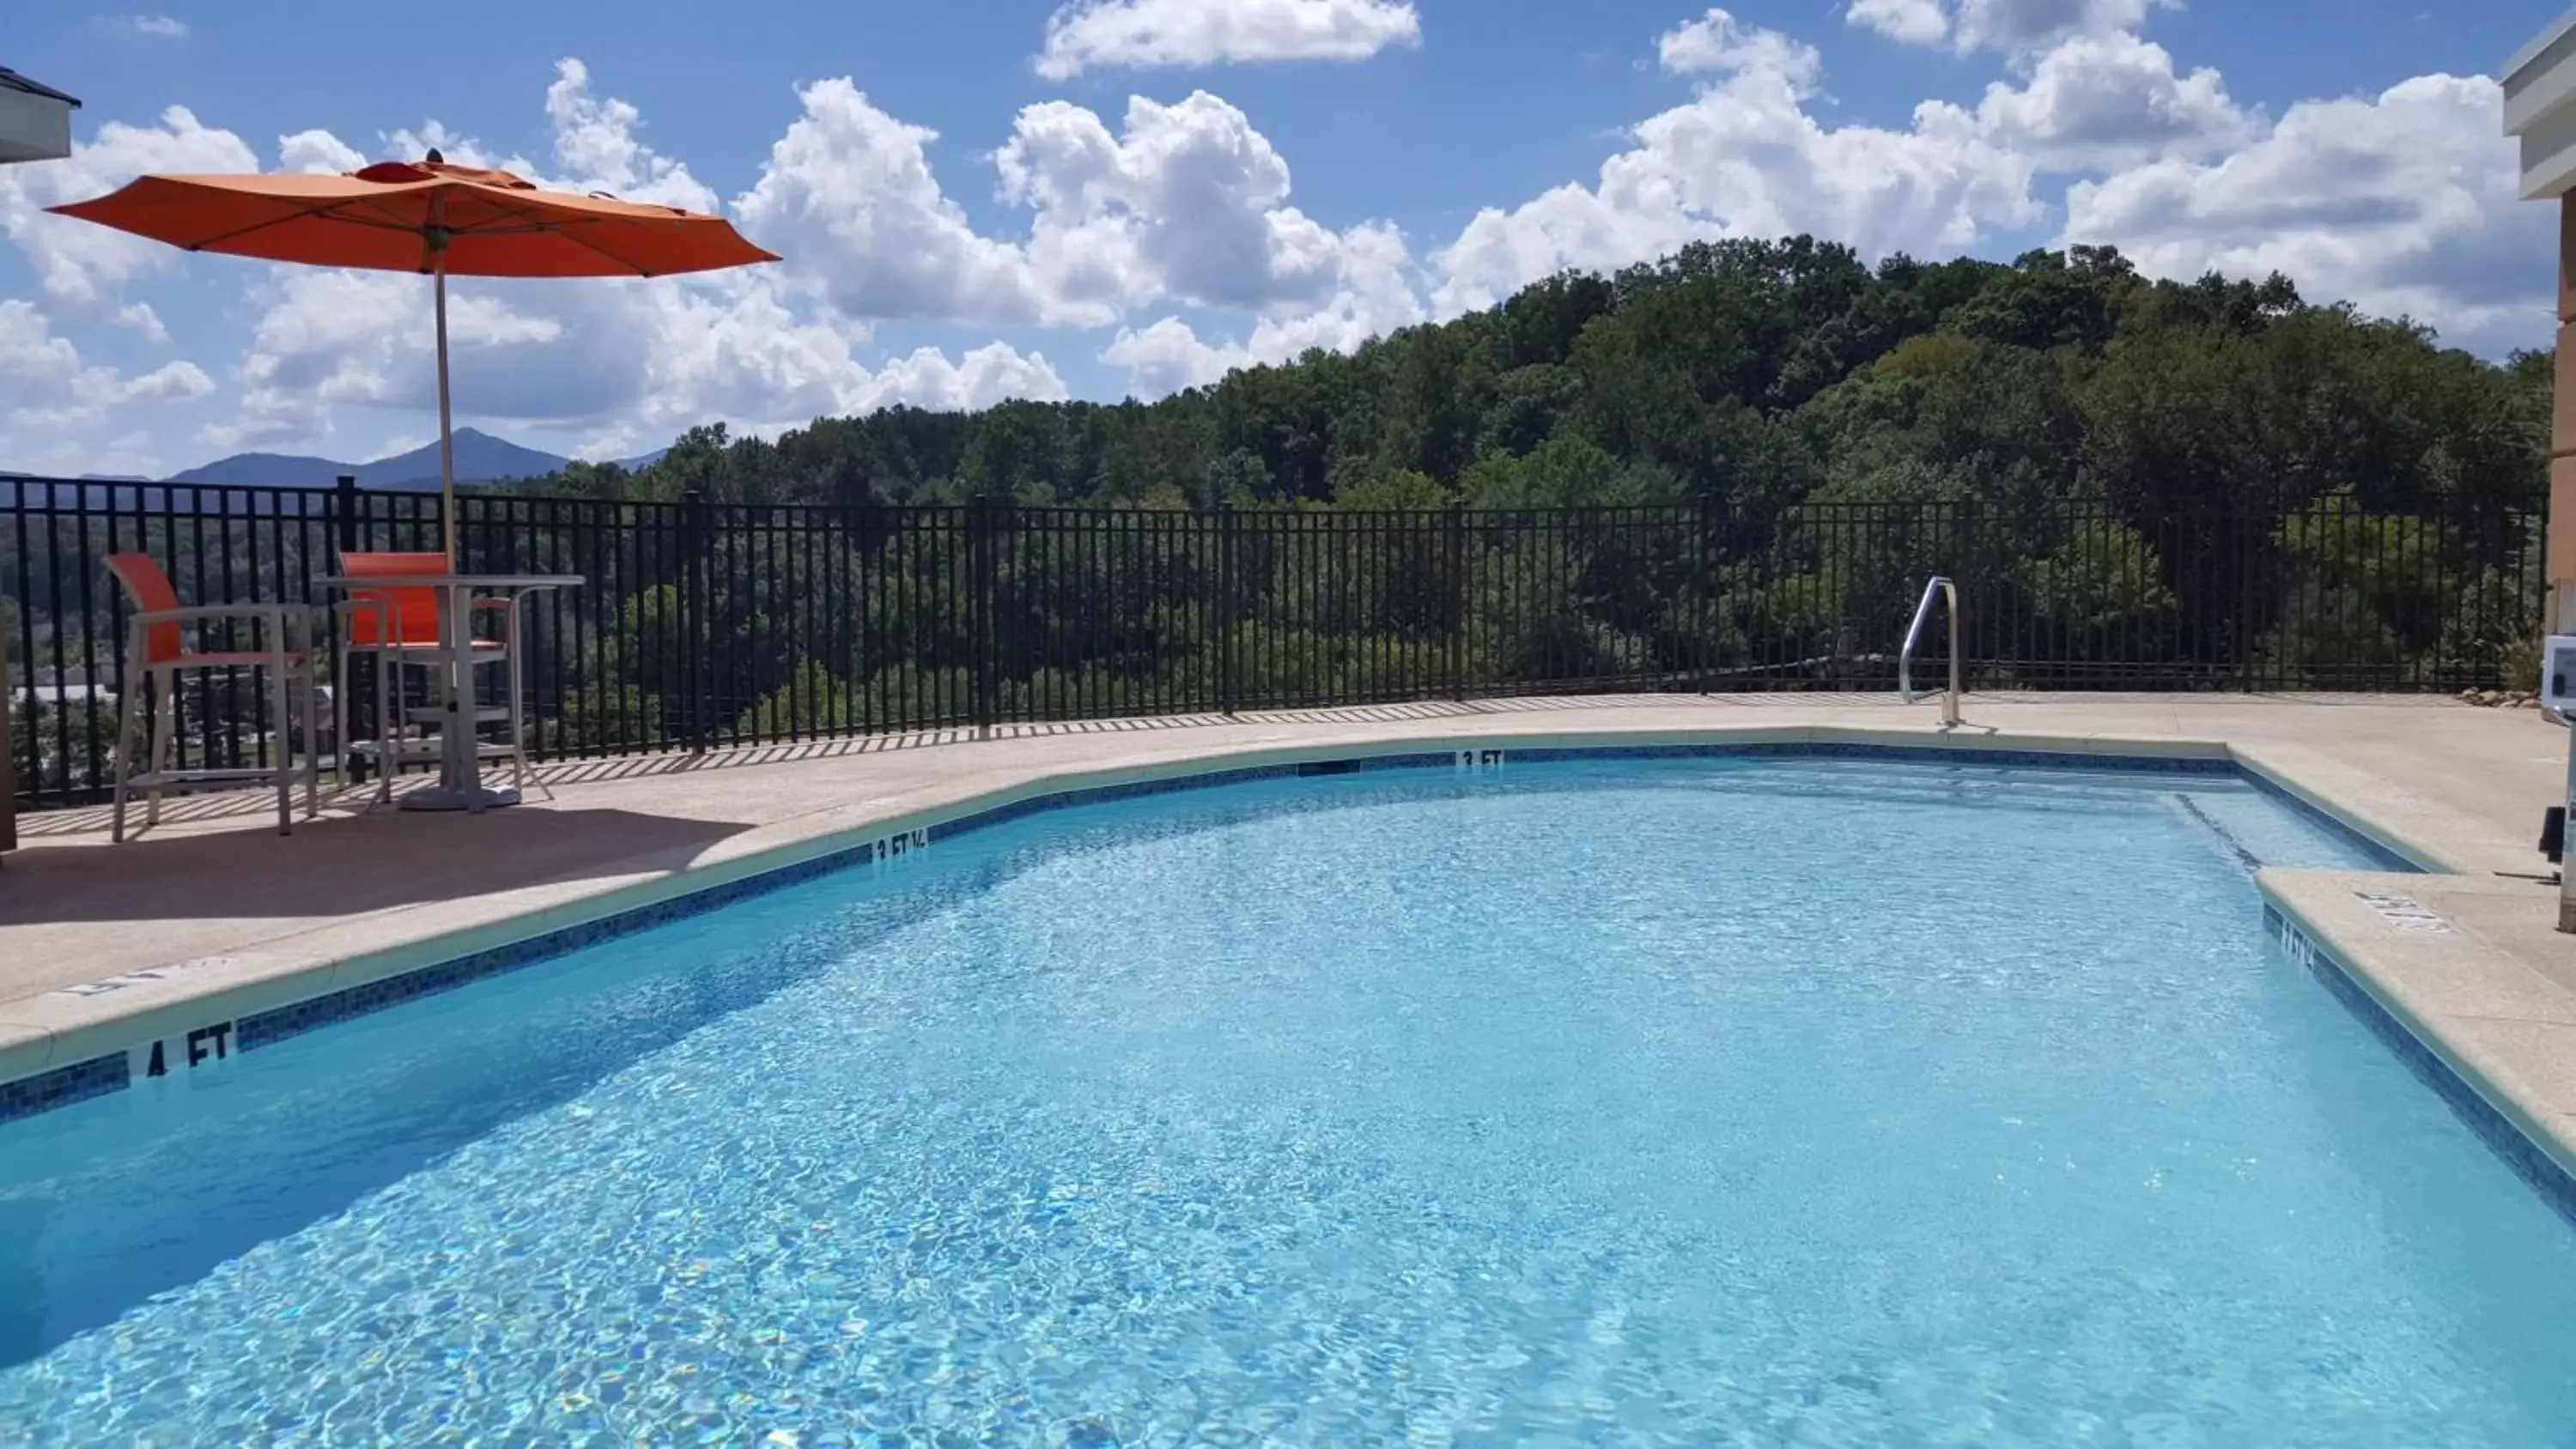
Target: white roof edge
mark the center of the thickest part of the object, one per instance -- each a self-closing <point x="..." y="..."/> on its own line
<point x="2524" y="57"/>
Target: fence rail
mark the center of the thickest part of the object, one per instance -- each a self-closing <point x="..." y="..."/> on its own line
<point x="707" y="624"/>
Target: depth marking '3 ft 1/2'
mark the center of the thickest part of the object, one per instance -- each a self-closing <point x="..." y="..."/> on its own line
<point x="895" y="849"/>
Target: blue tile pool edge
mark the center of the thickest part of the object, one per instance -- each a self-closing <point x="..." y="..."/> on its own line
<point x="61" y="1086"/>
<point x="2539" y="1169"/>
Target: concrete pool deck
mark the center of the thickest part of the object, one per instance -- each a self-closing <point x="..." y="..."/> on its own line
<point x="212" y="917"/>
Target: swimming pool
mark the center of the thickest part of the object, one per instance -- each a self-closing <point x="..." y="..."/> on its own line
<point x="1688" y="1101"/>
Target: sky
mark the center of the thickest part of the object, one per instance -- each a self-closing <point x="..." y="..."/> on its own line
<point x="985" y="199"/>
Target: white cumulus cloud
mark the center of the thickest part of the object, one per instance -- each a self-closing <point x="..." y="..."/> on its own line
<point x="1187" y="202"/>
<point x="1184" y="203"/>
<point x="2403" y="203"/>
<point x="52" y="401"/>
<point x="141" y="317"/>
<point x="1378" y="294"/>
<point x="2024" y="25"/>
<point x="980" y="378"/>
<point x="318" y="152"/>
<point x="2097" y="102"/>
<point x="595" y="141"/>
<point x="147" y="27"/>
<point x="849" y="193"/>
<point x="1910" y="22"/>
<point x="1147" y="34"/>
<point x="1719" y="44"/>
<point x="80" y="265"/>
<point x="2012" y="26"/>
<point x="1746" y="158"/>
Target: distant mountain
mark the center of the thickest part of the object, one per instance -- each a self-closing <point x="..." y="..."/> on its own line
<point x="267" y="470"/>
<point x="480" y="458"/>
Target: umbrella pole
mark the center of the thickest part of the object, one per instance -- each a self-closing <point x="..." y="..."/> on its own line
<point x="446" y="435"/>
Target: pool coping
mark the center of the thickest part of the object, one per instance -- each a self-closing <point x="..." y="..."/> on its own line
<point x="71" y="1045"/>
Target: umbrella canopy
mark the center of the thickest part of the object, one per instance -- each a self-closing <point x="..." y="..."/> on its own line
<point x="427" y="217"/>
<point x="401" y="216"/>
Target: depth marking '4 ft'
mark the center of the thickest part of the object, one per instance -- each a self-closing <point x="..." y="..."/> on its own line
<point x="171" y="1056"/>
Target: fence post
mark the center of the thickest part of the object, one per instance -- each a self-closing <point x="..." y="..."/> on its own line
<point x="982" y="581"/>
<point x="1968" y="551"/>
<point x="2241" y="537"/>
<point x="695" y="636"/>
<point x="1701" y="579"/>
<point x="8" y="741"/>
<point x="1225" y="606"/>
<point x="344" y="513"/>
<point x="1455" y="526"/>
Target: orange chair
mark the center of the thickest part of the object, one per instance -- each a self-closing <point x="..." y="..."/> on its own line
<point x="159" y="647"/>
<point x="398" y="626"/>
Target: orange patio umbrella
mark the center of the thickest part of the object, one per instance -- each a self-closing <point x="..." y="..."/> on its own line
<point x="428" y="217"/>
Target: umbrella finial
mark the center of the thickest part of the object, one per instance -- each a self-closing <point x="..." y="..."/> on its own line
<point x="434" y="158"/>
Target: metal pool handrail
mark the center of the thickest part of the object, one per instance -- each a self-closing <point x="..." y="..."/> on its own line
<point x="1937" y="588"/>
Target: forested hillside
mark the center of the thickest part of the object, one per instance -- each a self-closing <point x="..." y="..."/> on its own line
<point x="1749" y="374"/>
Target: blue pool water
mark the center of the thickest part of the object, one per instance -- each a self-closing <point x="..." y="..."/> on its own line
<point x="1674" y="1102"/>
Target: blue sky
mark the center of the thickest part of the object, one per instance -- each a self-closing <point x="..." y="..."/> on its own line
<point x="1131" y="195"/>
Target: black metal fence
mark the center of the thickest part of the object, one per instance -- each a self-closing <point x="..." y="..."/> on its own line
<point x="707" y="624"/>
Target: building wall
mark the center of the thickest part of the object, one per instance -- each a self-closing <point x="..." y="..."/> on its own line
<point x="33" y="128"/>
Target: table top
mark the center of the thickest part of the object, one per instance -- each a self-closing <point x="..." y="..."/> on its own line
<point x="449" y="581"/>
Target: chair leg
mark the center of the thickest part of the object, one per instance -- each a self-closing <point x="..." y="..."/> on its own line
<point x="165" y="706"/>
<point x="281" y="757"/>
<point x="388" y="683"/>
<point x="518" y="708"/>
<point x="129" y="712"/>
<point x="312" y="743"/>
<point x="340" y="714"/>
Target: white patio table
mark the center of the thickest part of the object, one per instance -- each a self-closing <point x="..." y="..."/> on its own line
<point x="460" y="768"/>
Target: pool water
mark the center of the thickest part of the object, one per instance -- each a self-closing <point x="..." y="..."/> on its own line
<point x="1656" y="1102"/>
